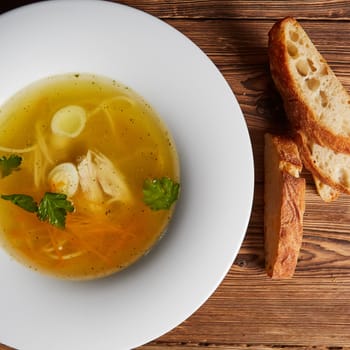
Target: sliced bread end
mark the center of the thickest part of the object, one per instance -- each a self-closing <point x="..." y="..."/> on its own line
<point x="284" y="197"/>
<point x="314" y="98"/>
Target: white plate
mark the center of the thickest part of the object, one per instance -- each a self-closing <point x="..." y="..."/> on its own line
<point x="183" y="270"/>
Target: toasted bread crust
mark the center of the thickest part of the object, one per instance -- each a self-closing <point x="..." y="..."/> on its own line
<point x="311" y="163"/>
<point x="326" y="192"/>
<point x="291" y="229"/>
<point x="288" y="154"/>
<point x="296" y="101"/>
<point x="284" y="197"/>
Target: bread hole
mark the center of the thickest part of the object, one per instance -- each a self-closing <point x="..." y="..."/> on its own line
<point x="313" y="84"/>
<point x="292" y="49"/>
<point x="311" y="65"/>
<point x="302" y="68"/>
<point x="301" y="42"/>
<point x="293" y="35"/>
<point x="324" y="99"/>
<point x="324" y="70"/>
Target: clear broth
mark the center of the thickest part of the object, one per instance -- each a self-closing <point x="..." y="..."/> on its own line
<point x="99" y="239"/>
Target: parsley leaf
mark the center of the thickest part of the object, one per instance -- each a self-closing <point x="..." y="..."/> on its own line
<point x="7" y="165"/>
<point x="53" y="208"/>
<point x="22" y="200"/>
<point x="160" y="193"/>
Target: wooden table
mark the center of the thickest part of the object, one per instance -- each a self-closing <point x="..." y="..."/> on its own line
<point x="248" y="310"/>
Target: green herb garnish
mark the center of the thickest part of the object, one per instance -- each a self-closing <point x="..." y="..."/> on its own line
<point x="160" y="193"/>
<point x="52" y="208"/>
<point x="22" y="200"/>
<point x="8" y="165"/>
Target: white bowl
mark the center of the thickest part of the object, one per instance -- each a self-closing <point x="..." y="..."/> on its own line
<point x="184" y="86"/>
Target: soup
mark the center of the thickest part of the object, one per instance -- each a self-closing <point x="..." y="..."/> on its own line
<point x="85" y="163"/>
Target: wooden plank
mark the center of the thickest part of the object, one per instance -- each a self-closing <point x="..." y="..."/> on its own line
<point x="244" y="43"/>
<point x="246" y="9"/>
<point x="182" y="346"/>
<point x="333" y="10"/>
<point x="5" y="347"/>
<point x="250" y="308"/>
<point x="240" y="347"/>
<point x="189" y="346"/>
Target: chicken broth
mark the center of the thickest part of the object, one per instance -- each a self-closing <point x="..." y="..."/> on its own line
<point x="95" y="141"/>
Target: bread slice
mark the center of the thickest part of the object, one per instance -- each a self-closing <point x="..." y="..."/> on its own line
<point x="326" y="192"/>
<point x="315" y="100"/>
<point x="284" y="197"/>
<point x="330" y="167"/>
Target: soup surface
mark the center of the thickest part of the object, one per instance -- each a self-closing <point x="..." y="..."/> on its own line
<point x="97" y="142"/>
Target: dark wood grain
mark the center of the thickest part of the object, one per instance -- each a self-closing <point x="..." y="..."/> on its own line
<point x="246" y="9"/>
<point x="334" y="10"/>
<point x="248" y="310"/>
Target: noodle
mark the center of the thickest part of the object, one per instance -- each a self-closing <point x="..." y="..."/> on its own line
<point x="17" y="150"/>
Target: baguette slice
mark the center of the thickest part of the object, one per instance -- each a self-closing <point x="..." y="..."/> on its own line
<point x="330" y="167"/>
<point x="326" y="192"/>
<point x="284" y="195"/>
<point x="314" y="99"/>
